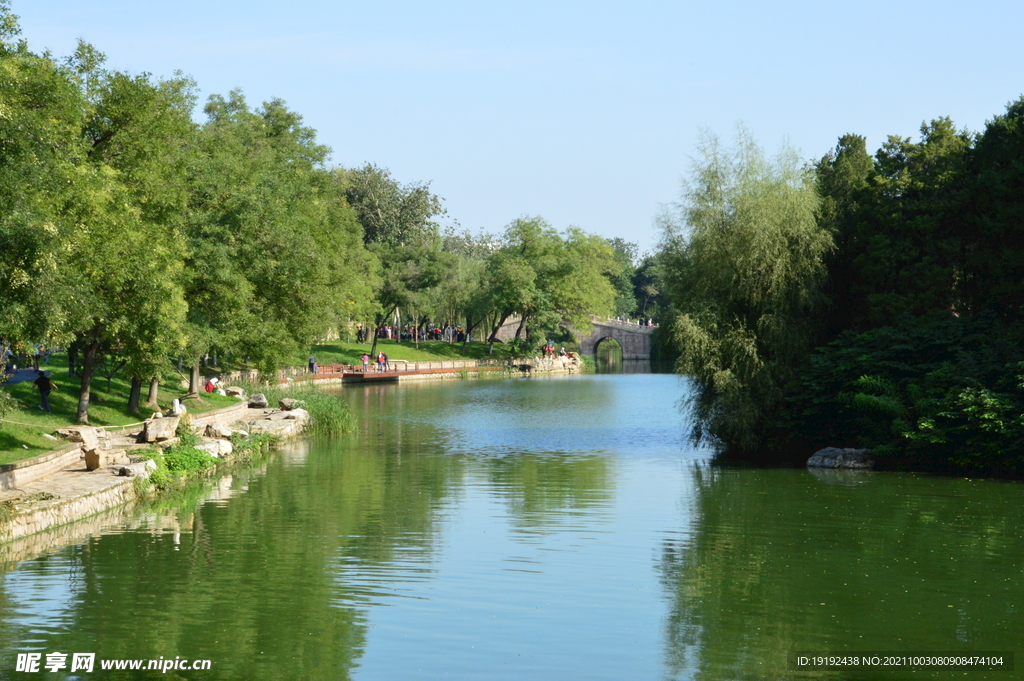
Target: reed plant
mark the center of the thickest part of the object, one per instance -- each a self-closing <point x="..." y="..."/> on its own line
<point x="329" y="416"/>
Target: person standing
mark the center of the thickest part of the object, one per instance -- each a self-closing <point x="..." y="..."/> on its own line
<point x="45" y="386"/>
<point x="366" y="363"/>
<point x="312" y="364"/>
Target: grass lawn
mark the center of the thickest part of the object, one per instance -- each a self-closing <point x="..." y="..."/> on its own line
<point x="351" y="353"/>
<point x="109" y="407"/>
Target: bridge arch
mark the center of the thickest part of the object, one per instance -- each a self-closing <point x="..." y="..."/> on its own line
<point x="606" y="339"/>
<point x="634" y="339"/>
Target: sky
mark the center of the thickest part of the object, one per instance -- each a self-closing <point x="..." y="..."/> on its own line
<point x="584" y="113"/>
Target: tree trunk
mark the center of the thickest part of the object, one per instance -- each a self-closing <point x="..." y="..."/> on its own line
<point x="72" y="358"/>
<point x="522" y="325"/>
<point x="497" y="327"/>
<point x="88" y="367"/>
<point x="193" y="380"/>
<point x="154" y="394"/>
<point x="134" y="395"/>
<point x="376" y="327"/>
<point x="373" y="348"/>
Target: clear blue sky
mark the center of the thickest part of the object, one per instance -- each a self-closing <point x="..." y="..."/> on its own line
<point x="586" y="113"/>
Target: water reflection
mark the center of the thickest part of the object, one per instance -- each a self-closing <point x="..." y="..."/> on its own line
<point x="777" y="561"/>
<point x="280" y="578"/>
<point x="539" y="488"/>
<point x="534" y="528"/>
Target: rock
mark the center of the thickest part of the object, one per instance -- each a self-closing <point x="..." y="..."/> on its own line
<point x="143" y="469"/>
<point x="241" y="427"/>
<point x="99" y="458"/>
<point x="235" y="391"/>
<point x="216" y="448"/>
<point x="287" y="403"/>
<point x="277" y="427"/>
<point x="297" y="414"/>
<point x="89" y="438"/>
<point x="158" y="430"/>
<point x="834" y="457"/>
<point x="221" y="432"/>
<point x="69" y="434"/>
<point x="258" y="401"/>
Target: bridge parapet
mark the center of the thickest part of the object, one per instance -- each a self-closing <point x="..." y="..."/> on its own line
<point x="627" y="326"/>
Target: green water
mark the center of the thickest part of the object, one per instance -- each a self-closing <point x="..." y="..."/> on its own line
<point x="541" y="528"/>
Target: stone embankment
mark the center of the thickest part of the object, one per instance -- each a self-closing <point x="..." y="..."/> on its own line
<point x="94" y="471"/>
<point x="560" y="365"/>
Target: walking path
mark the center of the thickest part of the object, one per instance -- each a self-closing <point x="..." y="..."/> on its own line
<point x="22" y="375"/>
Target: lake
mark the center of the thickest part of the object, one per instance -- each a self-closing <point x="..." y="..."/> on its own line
<point x="536" y="528"/>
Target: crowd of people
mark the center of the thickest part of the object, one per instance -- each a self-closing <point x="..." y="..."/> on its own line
<point x="643" y="321"/>
<point x="423" y="332"/>
<point x="11" y="356"/>
<point x="548" y="351"/>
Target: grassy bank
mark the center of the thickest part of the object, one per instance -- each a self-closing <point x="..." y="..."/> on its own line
<point x="24" y="429"/>
<point x="351" y="353"/>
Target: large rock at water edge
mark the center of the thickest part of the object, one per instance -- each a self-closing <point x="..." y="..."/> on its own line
<point x="235" y="391"/>
<point x="142" y="469"/>
<point x="258" y="401"/>
<point x="100" y="458"/>
<point x="834" y="457"/>
<point x="288" y="403"/>
<point x="158" y="430"/>
<point x="216" y="448"/>
<point x="222" y="432"/>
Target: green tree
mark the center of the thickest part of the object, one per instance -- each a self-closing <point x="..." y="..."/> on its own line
<point x="276" y="255"/>
<point x="390" y="213"/>
<point x="649" y="287"/>
<point x="843" y="181"/>
<point x="551" y="281"/>
<point x="994" y="263"/>
<point x="399" y="229"/>
<point x="626" y="254"/>
<point x="745" y="267"/>
<point x="910" y="255"/>
<point x="41" y="153"/>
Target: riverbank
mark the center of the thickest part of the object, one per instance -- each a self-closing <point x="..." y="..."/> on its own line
<point x="62" y="486"/>
<point x="58" y="487"/>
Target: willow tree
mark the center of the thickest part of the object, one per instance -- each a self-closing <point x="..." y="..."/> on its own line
<point x="744" y="259"/>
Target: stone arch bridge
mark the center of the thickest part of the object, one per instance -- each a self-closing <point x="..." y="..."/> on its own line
<point x="634" y="339"/>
